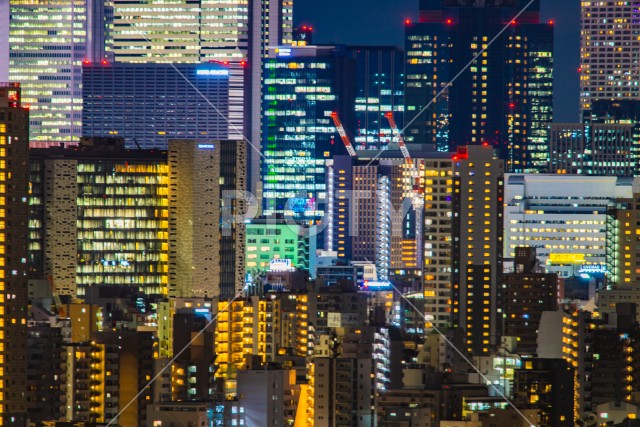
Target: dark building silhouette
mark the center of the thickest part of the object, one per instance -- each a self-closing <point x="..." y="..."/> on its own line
<point x="528" y="292"/>
<point x="503" y="98"/>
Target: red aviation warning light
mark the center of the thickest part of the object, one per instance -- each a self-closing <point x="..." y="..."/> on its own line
<point x="449" y="21"/>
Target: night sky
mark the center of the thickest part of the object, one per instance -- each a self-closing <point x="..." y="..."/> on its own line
<point x="380" y="22"/>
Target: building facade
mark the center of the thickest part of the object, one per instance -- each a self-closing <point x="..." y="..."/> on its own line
<point x="269" y="240"/>
<point x="148" y="104"/>
<point x="43" y="46"/>
<point x="563" y="217"/>
<point x="477" y="244"/>
<point x="379" y="89"/>
<point x="529" y="291"/>
<point x="99" y="216"/>
<point x="608" y="46"/>
<point x="593" y="149"/>
<point x="207" y="184"/>
<point x="14" y="182"/>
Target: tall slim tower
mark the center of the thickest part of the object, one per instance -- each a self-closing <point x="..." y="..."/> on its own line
<point x="609" y="45"/>
<point x="206" y="229"/>
<point x="14" y="181"/>
<point x="477" y="246"/>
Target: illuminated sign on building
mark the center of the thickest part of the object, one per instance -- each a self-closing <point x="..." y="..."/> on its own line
<point x="212" y="72"/>
<point x="376" y="285"/>
<point x="206" y="146"/>
<point x="278" y="264"/>
<point x="566" y="258"/>
<point x="283" y="51"/>
<point x="593" y="268"/>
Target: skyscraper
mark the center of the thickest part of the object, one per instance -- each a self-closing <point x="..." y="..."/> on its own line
<point x="206" y="225"/>
<point x="14" y="180"/>
<point x="379" y="89"/>
<point x="477" y="247"/>
<point x="42" y="45"/>
<point x="504" y="98"/>
<point x="304" y="86"/>
<point x="609" y="44"/>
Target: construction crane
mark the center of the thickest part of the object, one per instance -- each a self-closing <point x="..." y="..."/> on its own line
<point x="401" y="144"/>
<point x="417" y="199"/>
<point x="343" y="135"/>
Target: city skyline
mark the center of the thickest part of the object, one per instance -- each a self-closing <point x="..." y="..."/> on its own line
<point x="334" y="214"/>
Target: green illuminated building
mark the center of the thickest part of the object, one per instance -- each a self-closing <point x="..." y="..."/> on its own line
<point x="271" y="239"/>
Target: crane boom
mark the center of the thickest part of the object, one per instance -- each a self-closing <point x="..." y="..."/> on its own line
<point x="401" y="144"/>
<point x="343" y="135"/>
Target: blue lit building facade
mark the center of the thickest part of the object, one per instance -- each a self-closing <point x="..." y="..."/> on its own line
<point x="504" y="98"/>
<point x="302" y="87"/>
<point x="379" y="89"/>
<point x="150" y="103"/>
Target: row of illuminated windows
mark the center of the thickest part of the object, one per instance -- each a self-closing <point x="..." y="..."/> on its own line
<point x="547" y="239"/>
<point x="557" y="230"/>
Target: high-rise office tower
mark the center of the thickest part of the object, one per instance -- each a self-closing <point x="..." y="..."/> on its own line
<point x="304" y="86"/>
<point x="14" y="182"/>
<point x="148" y="104"/>
<point x="617" y="114"/>
<point x="186" y="31"/>
<point x="42" y="45"/>
<point x="609" y="44"/>
<point x="476" y="254"/>
<point x="98" y="215"/>
<point x="379" y="89"/>
<point x="234" y="31"/>
<point x="207" y="182"/>
<point x="504" y="98"/>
